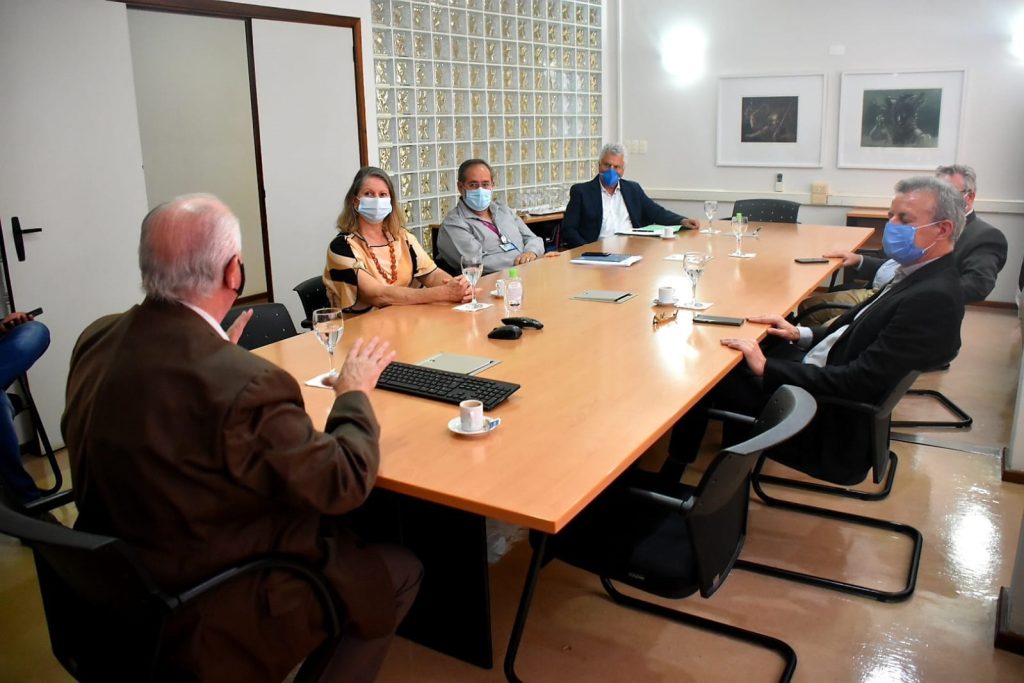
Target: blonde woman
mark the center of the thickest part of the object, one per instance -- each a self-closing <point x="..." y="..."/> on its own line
<point x="374" y="261"/>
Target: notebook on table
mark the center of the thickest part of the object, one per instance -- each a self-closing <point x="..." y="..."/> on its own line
<point x="605" y="259"/>
<point x="649" y="231"/>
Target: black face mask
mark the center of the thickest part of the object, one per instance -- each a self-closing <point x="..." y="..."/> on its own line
<point x="241" y="285"/>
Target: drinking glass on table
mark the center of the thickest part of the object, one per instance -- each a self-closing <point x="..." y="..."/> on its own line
<point x="472" y="269"/>
<point x="693" y="266"/>
<point x="739" y="228"/>
<point x="710" y="209"/>
<point x="328" y="325"/>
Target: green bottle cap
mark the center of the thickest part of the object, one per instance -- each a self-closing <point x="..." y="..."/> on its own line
<point x="513" y="273"/>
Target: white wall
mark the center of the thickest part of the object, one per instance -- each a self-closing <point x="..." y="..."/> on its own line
<point x="195" y="113"/>
<point x="793" y="37"/>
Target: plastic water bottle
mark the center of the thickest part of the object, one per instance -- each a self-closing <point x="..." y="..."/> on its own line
<point x="513" y="292"/>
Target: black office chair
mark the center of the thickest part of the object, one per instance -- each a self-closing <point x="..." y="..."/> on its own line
<point x="270" y="323"/>
<point x="313" y="295"/>
<point x="671" y="540"/>
<point x="439" y="260"/>
<point x="106" y="616"/>
<point x="882" y="462"/>
<point x="767" y="210"/>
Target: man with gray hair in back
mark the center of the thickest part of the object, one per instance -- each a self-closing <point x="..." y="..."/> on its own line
<point x="200" y="455"/>
<point x="980" y="254"/>
<point x="599" y="207"/>
<point x="910" y="324"/>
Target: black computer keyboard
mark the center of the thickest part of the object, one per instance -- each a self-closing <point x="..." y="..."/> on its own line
<point x="441" y="385"/>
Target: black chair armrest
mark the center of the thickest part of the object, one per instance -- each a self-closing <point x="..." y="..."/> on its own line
<point x="822" y="307"/>
<point x="671" y="503"/>
<point x="718" y="414"/>
<point x="314" y="579"/>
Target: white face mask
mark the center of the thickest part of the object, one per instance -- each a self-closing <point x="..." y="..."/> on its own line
<point x="374" y="209"/>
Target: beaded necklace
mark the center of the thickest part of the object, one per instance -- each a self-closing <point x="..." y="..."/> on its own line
<point x="394" y="263"/>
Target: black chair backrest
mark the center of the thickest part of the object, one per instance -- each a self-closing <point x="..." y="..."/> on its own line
<point x="313" y="295"/>
<point x="270" y="323"/>
<point x="717" y="522"/>
<point x="767" y="210"/>
<point x="452" y="269"/>
<point x="104" y="614"/>
<point x="880" y="425"/>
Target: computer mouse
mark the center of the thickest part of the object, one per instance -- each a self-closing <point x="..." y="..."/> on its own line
<point x="524" y="322"/>
<point x="506" y="332"/>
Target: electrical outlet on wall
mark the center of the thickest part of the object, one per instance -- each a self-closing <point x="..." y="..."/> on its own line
<point x="779" y="187"/>
<point x="819" y="193"/>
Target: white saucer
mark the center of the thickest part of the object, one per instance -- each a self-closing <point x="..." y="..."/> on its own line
<point x="490" y="424"/>
<point x="496" y="293"/>
<point x="673" y="302"/>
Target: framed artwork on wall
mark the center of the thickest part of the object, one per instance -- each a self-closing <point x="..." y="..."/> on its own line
<point x="771" y="120"/>
<point x="900" y="120"/>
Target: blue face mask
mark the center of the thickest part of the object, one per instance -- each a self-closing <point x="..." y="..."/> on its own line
<point x="478" y="199"/>
<point x="374" y="209"/>
<point x="610" y="178"/>
<point x="898" y="243"/>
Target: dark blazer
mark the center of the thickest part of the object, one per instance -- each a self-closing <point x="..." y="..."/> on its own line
<point x="584" y="213"/>
<point x="980" y="254"/>
<point x="199" y="455"/>
<point x="913" y="326"/>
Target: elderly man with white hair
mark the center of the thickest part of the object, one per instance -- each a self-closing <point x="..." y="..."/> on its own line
<point x="200" y="455"/>
<point x="599" y="207"/>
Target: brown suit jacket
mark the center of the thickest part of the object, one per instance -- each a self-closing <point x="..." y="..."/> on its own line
<point x="200" y="455"/>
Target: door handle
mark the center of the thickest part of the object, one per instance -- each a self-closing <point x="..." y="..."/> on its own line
<point x="19" y="239"/>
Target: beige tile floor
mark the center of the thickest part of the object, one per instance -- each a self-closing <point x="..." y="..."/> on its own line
<point x="970" y="520"/>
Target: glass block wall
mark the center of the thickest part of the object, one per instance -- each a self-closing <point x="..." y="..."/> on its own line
<point x="515" y="82"/>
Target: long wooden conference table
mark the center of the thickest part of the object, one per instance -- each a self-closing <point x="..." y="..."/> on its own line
<point x="600" y="384"/>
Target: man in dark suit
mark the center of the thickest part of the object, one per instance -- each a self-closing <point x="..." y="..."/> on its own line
<point x="608" y="203"/>
<point x="980" y="254"/>
<point x="913" y="323"/>
<point x="199" y="455"/>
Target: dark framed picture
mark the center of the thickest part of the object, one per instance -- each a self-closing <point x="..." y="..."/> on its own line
<point x="900" y="120"/>
<point x="772" y="121"/>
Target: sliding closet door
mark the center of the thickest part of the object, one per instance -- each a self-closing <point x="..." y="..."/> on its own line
<point x="309" y="134"/>
<point x="72" y="166"/>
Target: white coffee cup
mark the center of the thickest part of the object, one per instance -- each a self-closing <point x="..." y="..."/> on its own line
<point x="667" y="233"/>
<point x="666" y="295"/>
<point x="471" y="415"/>
<point x="499" y="287"/>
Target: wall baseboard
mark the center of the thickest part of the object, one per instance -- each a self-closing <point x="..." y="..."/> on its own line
<point x="1005" y="638"/>
<point x="1009" y="475"/>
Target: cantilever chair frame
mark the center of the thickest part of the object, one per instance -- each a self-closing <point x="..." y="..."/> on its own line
<point x="63" y="558"/>
<point x="884" y="461"/>
<point x="52" y="497"/>
<point x="796" y="408"/>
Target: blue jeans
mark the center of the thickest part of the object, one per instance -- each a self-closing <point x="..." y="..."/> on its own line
<point x="19" y="350"/>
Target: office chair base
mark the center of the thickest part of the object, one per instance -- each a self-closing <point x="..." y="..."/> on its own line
<point x="515" y="638"/>
<point x="757" y="478"/>
<point x="834" y="584"/>
<point x="963" y="420"/>
<point x="781" y="648"/>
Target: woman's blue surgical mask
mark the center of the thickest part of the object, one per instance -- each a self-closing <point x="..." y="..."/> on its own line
<point x="478" y="199"/>
<point x="610" y="177"/>
<point x="898" y="243"/>
<point x="374" y="209"/>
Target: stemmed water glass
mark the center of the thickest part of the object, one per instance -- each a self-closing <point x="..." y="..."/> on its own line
<point x="739" y="228"/>
<point x="328" y="325"/>
<point x="472" y="269"/>
<point x="710" y="209"/>
<point x="693" y="266"/>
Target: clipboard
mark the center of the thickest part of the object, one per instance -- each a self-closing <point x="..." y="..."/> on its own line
<point x="455" y="362"/>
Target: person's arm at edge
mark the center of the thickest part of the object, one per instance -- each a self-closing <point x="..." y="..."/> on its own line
<point x="980" y="267"/>
<point x="571" y="237"/>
